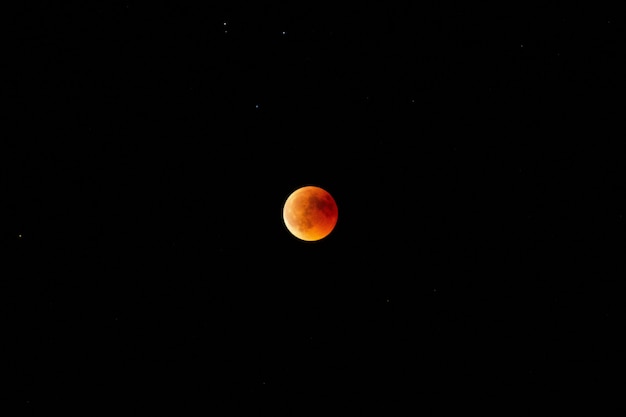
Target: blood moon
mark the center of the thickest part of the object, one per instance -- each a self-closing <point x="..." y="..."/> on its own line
<point x="310" y="213"/>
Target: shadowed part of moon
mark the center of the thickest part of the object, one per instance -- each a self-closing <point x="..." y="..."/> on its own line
<point x="310" y="213"/>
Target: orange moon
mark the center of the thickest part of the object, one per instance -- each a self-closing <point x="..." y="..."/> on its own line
<point x="310" y="213"/>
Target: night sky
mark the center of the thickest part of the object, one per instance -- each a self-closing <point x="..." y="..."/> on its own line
<point x="475" y="153"/>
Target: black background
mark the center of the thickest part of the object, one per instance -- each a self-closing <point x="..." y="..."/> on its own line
<point x="474" y="153"/>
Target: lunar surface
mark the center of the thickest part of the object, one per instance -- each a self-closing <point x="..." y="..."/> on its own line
<point x="310" y="213"/>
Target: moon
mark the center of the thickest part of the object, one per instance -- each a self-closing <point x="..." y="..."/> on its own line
<point x="310" y="213"/>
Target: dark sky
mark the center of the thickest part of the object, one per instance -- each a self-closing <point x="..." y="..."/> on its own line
<point x="474" y="153"/>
